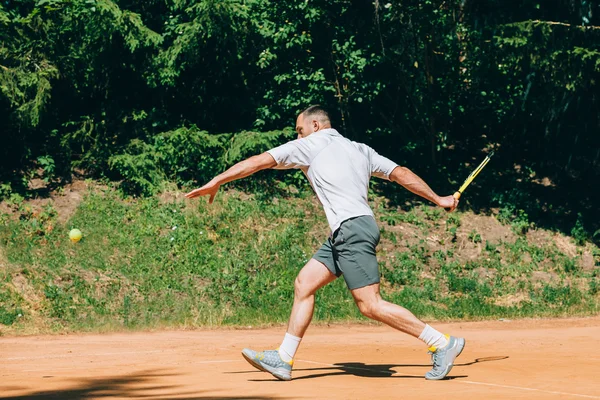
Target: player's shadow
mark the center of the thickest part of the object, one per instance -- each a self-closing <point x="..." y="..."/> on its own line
<point x="374" y="370"/>
<point x="140" y="385"/>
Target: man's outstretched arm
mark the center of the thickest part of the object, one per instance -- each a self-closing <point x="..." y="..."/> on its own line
<point x="240" y="170"/>
<point x="408" y="179"/>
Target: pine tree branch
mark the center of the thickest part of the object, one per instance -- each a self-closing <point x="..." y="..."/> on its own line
<point x="537" y="21"/>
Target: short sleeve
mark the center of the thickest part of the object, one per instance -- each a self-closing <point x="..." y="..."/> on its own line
<point x="294" y="154"/>
<point x="381" y="167"/>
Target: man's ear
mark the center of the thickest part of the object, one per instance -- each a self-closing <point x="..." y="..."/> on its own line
<point x="316" y="126"/>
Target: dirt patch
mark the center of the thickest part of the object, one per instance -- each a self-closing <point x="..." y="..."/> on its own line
<point x="469" y="243"/>
<point x="467" y="250"/>
<point x="406" y="235"/>
<point x="510" y="300"/>
<point x="67" y="202"/>
<point x="565" y="245"/>
<point x="98" y="280"/>
<point x="545" y="181"/>
<point x="485" y="273"/>
<point x="5" y="208"/>
<point x="3" y="260"/>
<point x="487" y="227"/>
<point x="539" y="238"/>
<point x="24" y="288"/>
<point x="543" y="277"/>
<point x="581" y="284"/>
<point x="168" y="197"/>
<point x="587" y="261"/>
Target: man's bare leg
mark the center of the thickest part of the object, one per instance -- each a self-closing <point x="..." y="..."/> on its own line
<point x="444" y="348"/>
<point x="313" y="276"/>
<point x="371" y="305"/>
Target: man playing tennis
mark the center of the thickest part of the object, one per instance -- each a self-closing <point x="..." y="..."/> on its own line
<point x="339" y="171"/>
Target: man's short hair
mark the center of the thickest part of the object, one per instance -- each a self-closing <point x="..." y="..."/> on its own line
<point x="317" y="112"/>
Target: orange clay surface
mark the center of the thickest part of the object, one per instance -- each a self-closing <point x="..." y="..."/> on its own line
<point x="527" y="359"/>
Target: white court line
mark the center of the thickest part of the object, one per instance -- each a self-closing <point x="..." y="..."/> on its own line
<point x="468" y="382"/>
<point x="338" y="367"/>
<point x="587" y="396"/>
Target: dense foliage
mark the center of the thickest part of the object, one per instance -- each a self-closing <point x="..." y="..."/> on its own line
<point x="118" y="87"/>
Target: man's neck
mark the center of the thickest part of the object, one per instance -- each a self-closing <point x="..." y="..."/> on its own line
<point x="320" y="130"/>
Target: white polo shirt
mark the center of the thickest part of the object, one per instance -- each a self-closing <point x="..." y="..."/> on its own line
<point x="338" y="170"/>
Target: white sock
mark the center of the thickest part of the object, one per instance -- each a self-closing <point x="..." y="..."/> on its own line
<point x="433" y="338"/>
<point x="288" y="347"/>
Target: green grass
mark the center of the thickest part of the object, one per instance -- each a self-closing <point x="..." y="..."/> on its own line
<point x="145" y="263"/>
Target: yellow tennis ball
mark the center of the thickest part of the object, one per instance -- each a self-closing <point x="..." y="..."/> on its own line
<point x="75" y="235"/>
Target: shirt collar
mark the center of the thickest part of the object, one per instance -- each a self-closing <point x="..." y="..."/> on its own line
<point x="329" y="131"/>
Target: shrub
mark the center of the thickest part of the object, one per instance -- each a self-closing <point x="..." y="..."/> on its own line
<point x="190" y="155"/>
<point x="187" y="156"/>
<point x="139" y="168"/>
<point x="8" y="317"/>
<point x="578" y="232"/>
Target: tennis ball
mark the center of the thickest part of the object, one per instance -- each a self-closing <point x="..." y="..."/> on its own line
<point x="75" y="235"/>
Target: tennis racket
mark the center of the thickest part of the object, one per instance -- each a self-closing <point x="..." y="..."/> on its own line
<point x="472" y="176"/>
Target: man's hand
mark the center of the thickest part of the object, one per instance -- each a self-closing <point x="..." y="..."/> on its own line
<point x="405" y="177"/>
<point x="448" y="202"/>
<point x="209" y="189"/>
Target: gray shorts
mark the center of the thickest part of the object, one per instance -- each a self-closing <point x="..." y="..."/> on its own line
<point x="351" y="251"/>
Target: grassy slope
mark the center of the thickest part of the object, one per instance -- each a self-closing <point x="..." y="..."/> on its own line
<point x="166" y="261"/>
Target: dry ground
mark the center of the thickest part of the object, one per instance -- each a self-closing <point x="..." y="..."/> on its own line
<point x="532" y="359"/>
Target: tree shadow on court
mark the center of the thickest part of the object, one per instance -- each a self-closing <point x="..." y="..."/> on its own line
<point x="375" y="370"/>
<point x="131" y="386"/>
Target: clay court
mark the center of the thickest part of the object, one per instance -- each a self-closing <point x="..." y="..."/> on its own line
<point x="533" y="359"/>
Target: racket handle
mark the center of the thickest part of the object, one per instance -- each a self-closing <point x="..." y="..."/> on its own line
<point x="456" y="195"/>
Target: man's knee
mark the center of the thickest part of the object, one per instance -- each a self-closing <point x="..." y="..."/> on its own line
<point x="302" y="287"/>
<point x="369" y="309"/>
